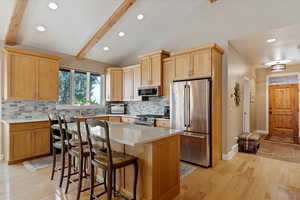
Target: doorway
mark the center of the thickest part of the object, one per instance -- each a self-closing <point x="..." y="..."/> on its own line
<point x="283" y="109"/>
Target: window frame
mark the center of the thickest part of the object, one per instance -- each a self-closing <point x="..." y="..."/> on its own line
<point x="88" y="76"/>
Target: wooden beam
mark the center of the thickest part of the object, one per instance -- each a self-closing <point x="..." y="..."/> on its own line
<point x="121" y="10"/>
<point x="15" y="22"/>
<point x="212" y="1"/>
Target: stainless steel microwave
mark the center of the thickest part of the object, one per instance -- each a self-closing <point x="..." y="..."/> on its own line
<point x="150" y="91"/>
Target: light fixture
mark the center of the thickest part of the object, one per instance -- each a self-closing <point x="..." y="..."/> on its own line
<point x="277" y="62"/>
<point x="271" y="40"/>
<point x="53" y="5"/>
<point x="121" y="34"/>
<point x="278" y="68"/>
<point x="140" y="17"/>
<point x="40" y="28"/>
<point x="106" y="48"/>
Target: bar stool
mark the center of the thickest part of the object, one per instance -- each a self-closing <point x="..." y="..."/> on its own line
<point x="58" y="144"/>
<point x="77" y="149"/>
<point x="107" y="160"/>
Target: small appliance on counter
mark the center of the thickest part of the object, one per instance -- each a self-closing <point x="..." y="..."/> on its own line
<point x="167" y="112"/>
<point x="117" y="108"/>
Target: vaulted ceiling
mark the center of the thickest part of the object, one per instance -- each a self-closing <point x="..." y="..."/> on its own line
<point x="168" y="24"/>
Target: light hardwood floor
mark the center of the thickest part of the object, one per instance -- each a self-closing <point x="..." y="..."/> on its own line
<point x="245" y="177"/>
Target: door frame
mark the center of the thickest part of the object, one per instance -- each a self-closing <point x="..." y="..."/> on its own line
<point x="246" y="79"/>
<point x="267" y="97"/>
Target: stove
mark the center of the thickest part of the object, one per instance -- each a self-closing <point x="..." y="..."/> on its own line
<point x="148" y="120"/>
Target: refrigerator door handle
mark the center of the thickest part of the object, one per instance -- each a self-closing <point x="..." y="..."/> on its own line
<point x="185" y="107"/>
<point x="188" y="106"/>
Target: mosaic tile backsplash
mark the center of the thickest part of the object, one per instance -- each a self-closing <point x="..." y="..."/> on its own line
<point x="39" y="110"/>
<point x="155" y="106"/>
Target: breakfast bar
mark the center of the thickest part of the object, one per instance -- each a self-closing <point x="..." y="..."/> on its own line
<point x="158" y="150"/>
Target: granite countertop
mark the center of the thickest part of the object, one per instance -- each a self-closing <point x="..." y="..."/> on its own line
<point x="46" y="119"/>
<point x="129" y="134"/>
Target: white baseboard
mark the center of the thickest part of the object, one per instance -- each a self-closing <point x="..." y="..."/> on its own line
<point x="261" y="131"/>
<point x="1" y="157"/>
<point x="231" y="154"/>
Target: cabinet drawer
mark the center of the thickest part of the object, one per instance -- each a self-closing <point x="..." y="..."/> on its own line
<point x="101" y="118"/>
<point x="129" y="120"/>
<point x="115" y="119"/>
<point x="163" y="123"/>
<point x="28" y="126"/>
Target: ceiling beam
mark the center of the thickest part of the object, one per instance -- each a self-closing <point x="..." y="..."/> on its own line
<point x="212" y="1"/>
<point x="121" y="10"/>
<point x="15" y="22"/>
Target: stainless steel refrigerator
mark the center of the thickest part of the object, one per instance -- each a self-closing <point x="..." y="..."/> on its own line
<point x="191" y="112"/>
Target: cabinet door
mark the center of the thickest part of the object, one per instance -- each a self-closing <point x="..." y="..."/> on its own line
<point x="41" y="141"/>
<point x="128" y="84"/>
<point x="168" y="76"/>
<point x="108" y="87"/>
<point x="182" y="67"/>
<point x="115" y="119"/>
<point x="136" y="82"/>
<point x="116" y="81"/>
<point x="155" y="70"/>
<point x="21" y="145"/>
<point x="47" y="79"/>
<point x="21" y="72"/>
<point x="145" y="71"/>
<point x="201" y="64"/>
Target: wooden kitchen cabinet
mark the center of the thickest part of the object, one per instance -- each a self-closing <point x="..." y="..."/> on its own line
<point x="192" y="64"/>
<point x="30" y="75"/>
<point x="128" y="83"/>
<point x="168" y="76"/>
<point x="115" y="119"/>
<point x="151" y="68"/>
<point x="47" y="74"/>
<point x="163" y="123"/>
<point x="26" y="140"/>
<point x="114" y="84"/>
<point x="131" y="83"/>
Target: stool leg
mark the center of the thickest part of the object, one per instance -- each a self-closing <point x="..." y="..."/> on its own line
<point x="80" y="178"/>
<point x="92" y="181"/>
<point x="104" y="179"/>
<point x="69" y="172"/>
<point x="62" y="171"/>
<point x="109" y="185"/>
<point x="136" y="171"/>
<point x="53" y="162"/>
<point x="114" y="182"/>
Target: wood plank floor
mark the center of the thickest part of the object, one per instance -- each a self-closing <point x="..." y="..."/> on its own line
<point x="245" y="177"/>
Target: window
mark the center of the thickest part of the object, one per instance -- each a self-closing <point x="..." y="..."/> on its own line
<point x="80" y="87"/>
<point x="64" y="86"/>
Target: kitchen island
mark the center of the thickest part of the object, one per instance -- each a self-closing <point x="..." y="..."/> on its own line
<point x="158" y="150"/>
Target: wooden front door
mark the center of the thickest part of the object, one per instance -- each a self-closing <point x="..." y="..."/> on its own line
<point x="283" y="110"/>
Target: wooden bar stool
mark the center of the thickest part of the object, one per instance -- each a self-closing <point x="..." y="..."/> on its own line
<point x="107" y="160"/>
<point x="58" y="144"/>
<point x="77" y="149"/>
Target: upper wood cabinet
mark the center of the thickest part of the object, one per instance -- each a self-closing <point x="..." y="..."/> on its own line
<point x="151" y="68"/>
<point x="114" y="84"/>
<point x="131" y="83"/>
<point x="192" y="64"/>
<point x="168" y="76"/>
<point x="30" y="75"/>
<point x="128" y="82"/>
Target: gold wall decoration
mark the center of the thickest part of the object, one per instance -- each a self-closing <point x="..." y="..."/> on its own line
<point x="236" y="94"/>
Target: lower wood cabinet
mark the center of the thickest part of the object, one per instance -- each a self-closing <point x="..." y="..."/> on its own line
<point x="129" y="120"/>
<point x="26" y="140"/>
<point x="163" y="123"/>
<point x="115" y="119"/>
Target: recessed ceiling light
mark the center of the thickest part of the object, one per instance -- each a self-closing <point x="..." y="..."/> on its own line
<point x="40" y="28"/>
<point x="106" y="48"/>
<point x="140" y="17"/>
<point x="53" y="5"/>
<point x="121" y="34"/>
<point x="277" y="62"/>
<point x="271" y="40"/>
